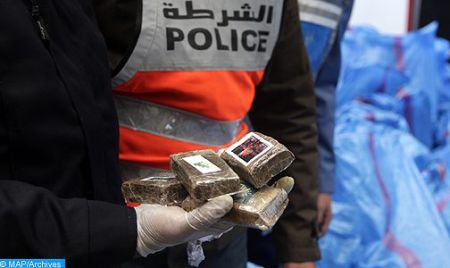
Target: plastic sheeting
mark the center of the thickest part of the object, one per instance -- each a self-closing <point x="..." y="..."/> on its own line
<point x="342" y="246"/>
<point x="385" y="216"/>
<point x="392" y="199"/>
<point x="403" y="67"/>
<point x="436" y="173"/>
<point x="442" y="133"/>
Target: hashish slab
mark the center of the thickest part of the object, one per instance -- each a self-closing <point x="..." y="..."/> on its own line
<point x="164" y="189"/>
<point x="257" y="158"/>
<point x="258" y="209"/>
<point x="204" y="174"/>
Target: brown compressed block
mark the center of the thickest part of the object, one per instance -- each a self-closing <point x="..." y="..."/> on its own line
<point x="190" y="203"/>
<point x="257" y="208"/>
<point x="164" y="189"/>
<point x="257" y="158"/>
<point x="204" y="174"/>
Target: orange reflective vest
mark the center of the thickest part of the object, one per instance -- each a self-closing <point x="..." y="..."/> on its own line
<point x="191" y="78"/>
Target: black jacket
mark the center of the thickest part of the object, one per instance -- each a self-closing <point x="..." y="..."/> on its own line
<point x="59" y="139"/>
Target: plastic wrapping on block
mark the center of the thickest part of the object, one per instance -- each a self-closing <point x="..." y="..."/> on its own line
<point x="190" y="203"/>
<point x="257" y="158"/>
<point x="204" y="174"/>
<point x="195" y="252"/>
<point x="163" y="190"/>
<point x="133" y="171"/>
<point x="257" y="208"/>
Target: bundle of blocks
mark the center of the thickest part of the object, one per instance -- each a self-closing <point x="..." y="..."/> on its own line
<point x="242" y="170"/>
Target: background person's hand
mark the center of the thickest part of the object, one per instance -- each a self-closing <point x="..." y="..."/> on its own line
<point x="324" y="212"/>
<point x="160" y="226"/>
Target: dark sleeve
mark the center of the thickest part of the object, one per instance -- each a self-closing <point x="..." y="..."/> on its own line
<point x="34" y="223"/>
<point x="326" y="98"/>
<point x="284" y="108"/>
<point x="120" y="24"/>
<point x="325" y="123"/>
<point x="326" y="84"/>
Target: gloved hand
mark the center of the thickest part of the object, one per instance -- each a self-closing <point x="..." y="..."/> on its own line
<point x="160" y="226"/>
<point x="286" y="183"/>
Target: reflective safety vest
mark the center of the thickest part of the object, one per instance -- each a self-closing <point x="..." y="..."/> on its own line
<point x="192" y="75"/>
<point x="319" y="21"/>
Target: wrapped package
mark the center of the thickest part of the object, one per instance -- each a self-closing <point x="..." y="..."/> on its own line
<point x="190" y="203"/>
<point x="256" y="158"/>
<point x="204" y="174"/>
<point x="195" y="251"/>
<point x="133" y="171"/>
<point x="164" y="189"/>
<point x="258" y="208"/>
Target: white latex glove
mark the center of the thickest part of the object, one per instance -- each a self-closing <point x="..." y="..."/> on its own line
<point x="160" y="226"/>
<point x="286" y="183"/>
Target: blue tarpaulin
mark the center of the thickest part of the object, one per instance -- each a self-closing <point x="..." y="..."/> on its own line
<point x="392" y="200"/>
<point x="379" y="183"/>
<point x="410" y="68"/>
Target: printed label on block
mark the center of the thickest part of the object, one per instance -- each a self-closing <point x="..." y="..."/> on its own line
<point x="249" y="148"/>
<point x="201" y="164"/>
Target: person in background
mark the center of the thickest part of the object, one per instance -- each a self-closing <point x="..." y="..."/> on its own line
<point x="187" y="73"/>
<point x="323" y="24"/>
<point x="59" y="180"/>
